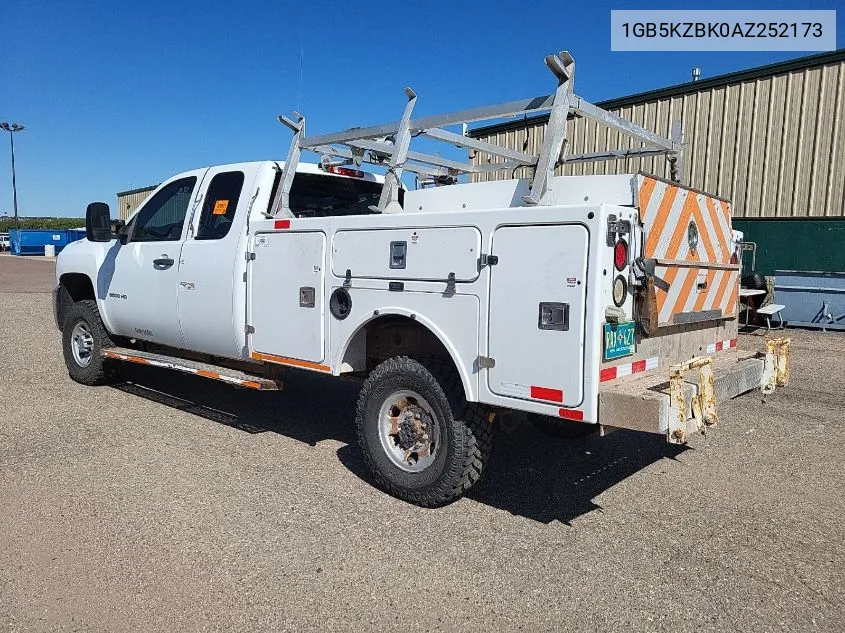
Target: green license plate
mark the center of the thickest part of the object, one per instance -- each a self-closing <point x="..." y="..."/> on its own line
<point x="618" y="339"/>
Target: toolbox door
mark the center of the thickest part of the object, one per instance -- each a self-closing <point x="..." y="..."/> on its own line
<point x="536" y="317"/>
<point x="286" y="285"/>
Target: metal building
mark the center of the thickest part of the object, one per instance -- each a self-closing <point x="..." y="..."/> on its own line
<point x="128" y="201"/>
<point x="770" y="139"/>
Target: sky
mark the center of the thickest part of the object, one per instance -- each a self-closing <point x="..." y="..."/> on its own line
<point x="117" y="95"/>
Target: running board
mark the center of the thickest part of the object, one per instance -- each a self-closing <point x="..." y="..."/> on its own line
<point x="206" y="370"/>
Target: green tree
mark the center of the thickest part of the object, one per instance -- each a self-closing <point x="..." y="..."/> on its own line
<point x="42" y="223"/>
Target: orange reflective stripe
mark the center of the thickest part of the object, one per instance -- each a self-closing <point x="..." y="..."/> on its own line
<point x="646" y="191"/>
<point x="730" y="307"/>
<point x="208" y="374"/>
<point x="293" y="362"/>
<point x="659" y="222"/>
<point x="662" y="296"/>
<point x="726" y="280"/>
<point x="680" y="230"/>
<point x="686" y="289"/>
<point x="717" y="226"/>
<point x="726" y="211"/>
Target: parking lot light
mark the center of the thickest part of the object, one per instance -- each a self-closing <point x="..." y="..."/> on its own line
<point x="11" y="128"/>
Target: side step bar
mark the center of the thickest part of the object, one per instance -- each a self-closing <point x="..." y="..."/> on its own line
<point x="206" y="370"/>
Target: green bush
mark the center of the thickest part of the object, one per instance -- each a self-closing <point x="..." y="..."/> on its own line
<point x="41" y="223"/>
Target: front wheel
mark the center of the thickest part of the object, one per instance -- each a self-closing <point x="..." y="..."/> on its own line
<point x="83" y="338"/>
<point x="421" y="440"/>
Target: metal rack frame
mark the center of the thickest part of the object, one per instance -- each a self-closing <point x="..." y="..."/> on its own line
<point x="388" y="145"/>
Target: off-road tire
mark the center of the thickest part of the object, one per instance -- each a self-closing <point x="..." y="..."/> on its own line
<point x="97" y="372"/>
<point x="564" y="429"/>
<point x="465" y="434"/>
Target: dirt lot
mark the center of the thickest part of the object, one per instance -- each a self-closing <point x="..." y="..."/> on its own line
<point x="26" y="274"/>
<point x="172" y="503"/>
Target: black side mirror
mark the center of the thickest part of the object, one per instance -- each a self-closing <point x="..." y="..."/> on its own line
<point x="98" y="222"/>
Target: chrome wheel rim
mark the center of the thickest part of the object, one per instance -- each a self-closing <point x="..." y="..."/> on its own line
<point x="81" y="344"/>
<point x="408" y="430"/>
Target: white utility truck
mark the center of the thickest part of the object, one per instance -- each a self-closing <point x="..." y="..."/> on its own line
<point x="589" y="302"/>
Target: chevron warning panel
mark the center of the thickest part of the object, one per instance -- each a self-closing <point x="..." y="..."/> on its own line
<point x="689" y="234"/>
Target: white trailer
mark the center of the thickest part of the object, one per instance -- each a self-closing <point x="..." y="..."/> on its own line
<point x="591" y="302"/>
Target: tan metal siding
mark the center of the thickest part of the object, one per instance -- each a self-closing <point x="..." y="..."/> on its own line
<point x="774" y="145"/>
<point x="127" y="203"/>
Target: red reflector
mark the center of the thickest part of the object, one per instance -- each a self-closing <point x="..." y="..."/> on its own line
<point x="281" y="224"/>
<point x="345" y="171"/>
<point x="571" y="414"/>
<point x="544" y="393"/>
<point x="620" y="254"/>
<point x="637" y="366"/>
<point x="607" y="374"/>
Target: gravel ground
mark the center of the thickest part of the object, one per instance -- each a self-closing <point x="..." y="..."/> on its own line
<point x="26" y="274"/>
<point x="173" y="503"/>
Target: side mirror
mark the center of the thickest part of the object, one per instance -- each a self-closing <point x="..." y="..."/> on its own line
<point x="98" y="222"/>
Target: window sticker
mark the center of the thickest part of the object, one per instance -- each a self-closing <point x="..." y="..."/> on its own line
<point x="220" y="207"/>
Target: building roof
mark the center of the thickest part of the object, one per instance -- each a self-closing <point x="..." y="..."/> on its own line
<point x="768" y="70"/>
<point x="139" y="190"/>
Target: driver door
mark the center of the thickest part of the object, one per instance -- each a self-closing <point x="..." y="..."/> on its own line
<point x="142" y="296"/>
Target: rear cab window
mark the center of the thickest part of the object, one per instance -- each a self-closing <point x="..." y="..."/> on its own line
<point x="221" y="203"/>
<point x="316" y="195"/>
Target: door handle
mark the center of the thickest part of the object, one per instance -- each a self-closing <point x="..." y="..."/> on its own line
<point x="163" y="263"/>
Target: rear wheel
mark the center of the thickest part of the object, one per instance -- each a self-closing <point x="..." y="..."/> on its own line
<point x="421" y="440"/>
<point x="83" y="338"/>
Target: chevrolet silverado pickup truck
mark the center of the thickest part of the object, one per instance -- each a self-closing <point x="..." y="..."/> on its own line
<point x="588" y="302"/>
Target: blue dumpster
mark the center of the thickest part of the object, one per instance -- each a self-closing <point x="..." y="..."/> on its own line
<point x="32" y="241"/>
<point x="75" y="234"/>
<point x="811" y="298"/>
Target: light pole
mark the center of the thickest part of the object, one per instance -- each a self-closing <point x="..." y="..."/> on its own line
<point x="11" y="129"/>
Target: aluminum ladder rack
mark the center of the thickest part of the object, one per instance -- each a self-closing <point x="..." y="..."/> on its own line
<point x="388" y="145"/>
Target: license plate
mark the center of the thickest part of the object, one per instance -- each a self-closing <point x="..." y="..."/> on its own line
<point x="618" y="339"/>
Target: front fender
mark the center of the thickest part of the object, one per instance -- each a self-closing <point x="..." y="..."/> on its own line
<point x="95" y="260"/>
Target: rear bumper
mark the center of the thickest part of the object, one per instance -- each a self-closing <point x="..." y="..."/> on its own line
<point x="685" y="401"/>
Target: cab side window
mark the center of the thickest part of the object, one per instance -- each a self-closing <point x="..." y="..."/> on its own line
<point x="221" y="202"/>
<point x="162" y="217"/>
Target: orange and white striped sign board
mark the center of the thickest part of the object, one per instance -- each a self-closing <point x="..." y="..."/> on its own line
<point x="689" y="234"/>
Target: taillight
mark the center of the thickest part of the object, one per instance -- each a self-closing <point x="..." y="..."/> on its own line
<point x="620" y="254"/>
<point x="620" y="290"/>
<point x="734" y="259"/>
<point x="345" y="171"/>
